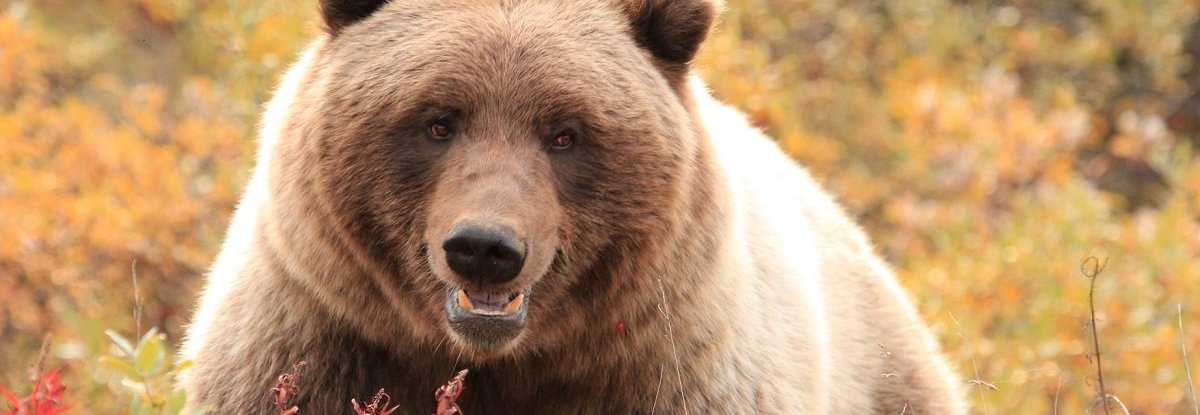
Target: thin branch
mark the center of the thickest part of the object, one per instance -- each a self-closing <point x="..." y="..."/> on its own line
<point x="1057" y="389"/>
<point x="1124" y="409"/>
<point x="1091" y="268"/>
<point x="137" y="301"/>
<point x="1186" y="367"/>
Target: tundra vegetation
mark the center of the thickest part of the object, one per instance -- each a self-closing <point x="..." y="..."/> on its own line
<point x="989" y="148"/>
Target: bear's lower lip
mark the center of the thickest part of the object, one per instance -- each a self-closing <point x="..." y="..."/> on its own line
<point x="487" y="320"/>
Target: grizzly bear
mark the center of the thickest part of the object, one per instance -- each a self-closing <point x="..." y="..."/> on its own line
<point x="541" y="192"/>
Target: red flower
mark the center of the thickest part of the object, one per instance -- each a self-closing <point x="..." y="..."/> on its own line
<point x="45" y="399"/>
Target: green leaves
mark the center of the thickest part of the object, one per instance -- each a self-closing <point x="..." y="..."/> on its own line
<point x="150" y="353"/>
<point x="123" y="366"/>
<point x="120" y="342"/>
<point x="140" y="363"/>
<point x="149" y="374"/>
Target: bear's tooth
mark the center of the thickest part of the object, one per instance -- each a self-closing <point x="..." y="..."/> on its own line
<point x="464" y="301"/>
<point x="514" y="305"/>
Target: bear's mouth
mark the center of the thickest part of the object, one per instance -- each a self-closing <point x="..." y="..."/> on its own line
<point x="487" y="319"/>
<point x="490" y="304"/>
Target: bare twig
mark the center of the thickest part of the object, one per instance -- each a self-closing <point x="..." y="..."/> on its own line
<point x="1057" y="389"/>
<point x="1187" y="369"/>
<point x="379" y="405"/>
<point x="137" y="300"/>
<point x="665" y="309"/>
<point x="447" y="395"/>
<point x="1124" y="409"/>
<point x="1091" y="268"/>
<point x="35" y="371"/>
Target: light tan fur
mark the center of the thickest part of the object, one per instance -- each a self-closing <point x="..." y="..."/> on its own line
<point x="740" y="285"/>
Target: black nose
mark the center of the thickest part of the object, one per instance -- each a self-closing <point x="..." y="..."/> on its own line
<point x="484" y="255"/>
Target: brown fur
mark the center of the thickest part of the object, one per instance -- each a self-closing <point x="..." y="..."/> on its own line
<point x="334" y="256"/>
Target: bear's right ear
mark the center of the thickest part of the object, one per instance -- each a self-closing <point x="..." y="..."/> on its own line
<point x="341" y="13"/>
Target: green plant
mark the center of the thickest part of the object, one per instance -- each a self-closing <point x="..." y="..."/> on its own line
<point x="150" y="374"/>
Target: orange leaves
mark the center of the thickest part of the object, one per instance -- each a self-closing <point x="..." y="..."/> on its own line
<point x="108" y="161"/>
<point x="989" y="149"/>
<point x="166" y="11"/>
<point x="22" y="60"/>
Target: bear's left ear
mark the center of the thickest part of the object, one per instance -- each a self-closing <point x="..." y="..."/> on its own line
<point x="341" y="13"/>
<point x="672" y="30"/>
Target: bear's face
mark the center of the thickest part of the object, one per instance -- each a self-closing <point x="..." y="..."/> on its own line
<point x="502" y="161"/>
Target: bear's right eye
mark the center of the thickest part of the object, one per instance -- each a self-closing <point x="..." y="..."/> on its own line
<point x="441" y="129"/>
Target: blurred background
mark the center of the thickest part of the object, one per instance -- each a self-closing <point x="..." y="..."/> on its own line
<point x="989" y="148"/>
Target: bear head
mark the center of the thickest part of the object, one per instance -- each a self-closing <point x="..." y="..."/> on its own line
<point x="504" y="167"/>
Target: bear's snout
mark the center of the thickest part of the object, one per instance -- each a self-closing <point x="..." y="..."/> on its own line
<point x="485" y="255"/>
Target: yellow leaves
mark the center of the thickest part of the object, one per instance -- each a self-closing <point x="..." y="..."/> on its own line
<point x="142" y="107"/>
<point x="104" y="164"/>
<point x="982" y="146"/>
<point x="166" y="11"/>
<point x="988" y="159"/>
<point x="274" y="33"/>
<point x="21" y="57"/>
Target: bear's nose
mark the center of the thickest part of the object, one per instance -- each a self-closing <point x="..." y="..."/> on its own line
<point x="484" y="255"/>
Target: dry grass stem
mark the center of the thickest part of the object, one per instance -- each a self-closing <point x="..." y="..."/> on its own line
<point x="137" y="300"/>
<point x="977" y="383"/>
<point x="666" y="312"/>
<point x="1091" y="268"/>
<point x="1187" y="368"/>
<point x="657" y="389"/>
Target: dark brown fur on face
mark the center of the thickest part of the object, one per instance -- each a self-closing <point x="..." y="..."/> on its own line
<point x="343" y="231"/>
<point x="509" y="84"/>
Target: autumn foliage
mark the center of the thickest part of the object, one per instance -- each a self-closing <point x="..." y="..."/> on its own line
<point x="46" y="397"/>
<point x="290" y="384"/>
<point x="988" y="147"/>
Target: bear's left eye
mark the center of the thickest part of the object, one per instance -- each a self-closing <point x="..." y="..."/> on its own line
<point x="563" y="140"/>
<point x="441" y="129"/>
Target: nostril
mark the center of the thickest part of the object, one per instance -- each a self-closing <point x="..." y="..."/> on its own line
<point x="502" y="253"/>
<point x="483" y="255"/>
<point x="458" y="246"/>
